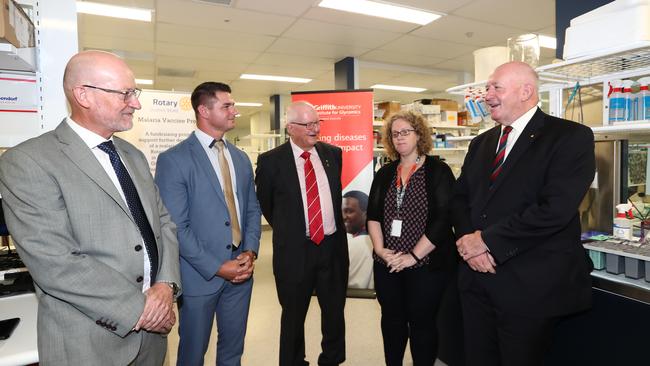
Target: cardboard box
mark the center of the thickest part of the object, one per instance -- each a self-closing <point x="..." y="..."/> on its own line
<point x="389" y="108"/>
<point x="15" y="26"/>
<point x="450" y="118"/>
<point x="445" y="104"/>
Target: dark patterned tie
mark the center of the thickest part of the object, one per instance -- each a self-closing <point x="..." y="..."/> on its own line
<point x="501" y="154"/>
<point x="314" y="215"/>
<point x="135" y="206"/>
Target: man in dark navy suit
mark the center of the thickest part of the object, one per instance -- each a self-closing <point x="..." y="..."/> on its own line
<point x="515" y="211"/>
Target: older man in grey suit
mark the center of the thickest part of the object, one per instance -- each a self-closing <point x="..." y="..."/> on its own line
<point x="89" y="224"/>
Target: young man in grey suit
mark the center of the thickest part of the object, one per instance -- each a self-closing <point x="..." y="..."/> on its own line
<point x="207" y="184"/>
<point x="299" y="188"/>
<point x="89" y="224"/>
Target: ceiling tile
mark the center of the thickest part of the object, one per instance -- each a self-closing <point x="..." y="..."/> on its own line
<point x="191" y="13"/>
<point x="298" y="61"/>
<point x="402" y="58"/>
<point x="427" y="47"/>
<point x="468" y="31"/>
<point x="358" y="20"/>
<point x="317" y="49"/>
<point x="311" y="30"/>
<point x="282" y="7"/>
<point x="218" y="56"/>
<point x="529" y="15"/>
<point x="175" y="33"/>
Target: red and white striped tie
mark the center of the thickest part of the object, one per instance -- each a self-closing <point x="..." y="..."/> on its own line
<point x="313" y="202"/>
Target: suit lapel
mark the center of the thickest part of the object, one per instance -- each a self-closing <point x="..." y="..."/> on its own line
<point x="201" y="159"/>
<point x="289" y="170"/>
<point x="79" y="154"/>
<point x="137" y="177"/>
<point x="525" y="140"/>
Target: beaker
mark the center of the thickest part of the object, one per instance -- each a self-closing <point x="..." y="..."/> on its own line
<point x="524" y="48"/>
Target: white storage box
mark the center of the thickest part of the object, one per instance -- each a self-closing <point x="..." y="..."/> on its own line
<point x="610" y="27"/>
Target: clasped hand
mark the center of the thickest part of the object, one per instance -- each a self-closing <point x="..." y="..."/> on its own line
<point x="396" y="261"/>
<point x="239" y="269"/>
<point x="474" y="251"/>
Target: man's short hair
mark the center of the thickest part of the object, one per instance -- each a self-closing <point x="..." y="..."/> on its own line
<point x="204" y="93"/>
<point x="361" y="197"/>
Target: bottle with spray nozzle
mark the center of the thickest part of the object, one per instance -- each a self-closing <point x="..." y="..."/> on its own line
<point x="616" y="101"/>
<point x="623" y="222"/>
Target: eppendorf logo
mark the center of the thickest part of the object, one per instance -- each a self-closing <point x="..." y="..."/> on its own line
<point x="8" y="100"/>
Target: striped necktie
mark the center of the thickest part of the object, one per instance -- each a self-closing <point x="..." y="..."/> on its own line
<point x="501" y="154"/>
<point x="314" y="214"/>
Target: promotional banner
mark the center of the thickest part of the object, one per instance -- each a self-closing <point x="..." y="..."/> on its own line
<point x="166" y="118"/>
<point x="347" y="123"/>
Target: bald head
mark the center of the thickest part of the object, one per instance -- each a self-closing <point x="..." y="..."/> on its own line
<point x="92" y="68"/>
<point x="297" y="108"/>
<point x="511" y="91"/>
<point x="100" y="88"/>
<point x="300" y="115"/>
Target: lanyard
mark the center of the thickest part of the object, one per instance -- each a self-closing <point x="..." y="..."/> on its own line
<point x="401" y="188"/>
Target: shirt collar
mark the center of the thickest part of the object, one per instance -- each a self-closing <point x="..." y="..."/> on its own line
<point x="89" y="138"/>
<point x="297" y="150"/>
<point x="520" y="123"/>
<point x="206" y="139"/>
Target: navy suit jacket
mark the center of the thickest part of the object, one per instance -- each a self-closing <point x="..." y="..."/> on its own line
<point x="191" y="192"/>
<point x="529" y="217"/>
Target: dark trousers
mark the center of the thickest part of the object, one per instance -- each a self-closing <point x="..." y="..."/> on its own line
<point x="409" y="303"/>
<point x="495" y="337"/>
<point x="326" y="274"/>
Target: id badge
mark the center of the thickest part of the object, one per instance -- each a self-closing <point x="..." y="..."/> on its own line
<point x="396" y="228"/>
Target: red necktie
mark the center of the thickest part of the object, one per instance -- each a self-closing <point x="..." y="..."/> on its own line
<point x="501" y="154"/>
<point x="313" y="202"/>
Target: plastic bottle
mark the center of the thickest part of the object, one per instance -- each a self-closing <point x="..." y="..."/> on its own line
<point x="629" y="100"/>
<point x="622" y="224"/>
<point x="472" y="110"/>
<point x="616" y="101"/>
<point x="482" y="105"/>
<point x="643" y="100"/>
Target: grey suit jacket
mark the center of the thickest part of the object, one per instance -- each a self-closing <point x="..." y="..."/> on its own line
<point x="76" y="236"/>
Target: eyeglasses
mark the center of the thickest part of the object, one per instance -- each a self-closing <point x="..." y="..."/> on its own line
<point x="308" y="125"/>
<point x="404" y="132"/>
<point x="128" y="93"/>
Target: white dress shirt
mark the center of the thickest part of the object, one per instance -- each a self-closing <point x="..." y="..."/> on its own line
<point x="324" y="193"/>
<point x="92" y="139"/>
<point x="213" y="156"/>
<point x="518" y="127"/>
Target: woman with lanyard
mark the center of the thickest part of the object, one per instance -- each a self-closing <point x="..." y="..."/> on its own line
<point x="413" y="243"/>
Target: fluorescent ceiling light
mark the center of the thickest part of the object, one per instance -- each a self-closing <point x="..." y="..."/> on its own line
<point x="547" y="42"/>
<point x="288" y="79"/>
<point x="144" y="81"/>
<point x="382" y="10"/>
<point x="123" y="12"/>
<point x="245" y="104"/>
<point x="400" y="88"/>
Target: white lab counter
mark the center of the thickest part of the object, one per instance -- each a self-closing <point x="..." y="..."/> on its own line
<point x="20" y="348"/>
